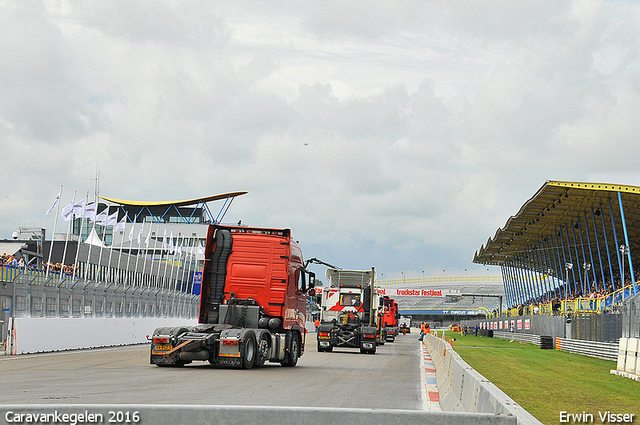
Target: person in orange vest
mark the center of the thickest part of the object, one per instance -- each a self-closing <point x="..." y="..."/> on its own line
<point x="317" y="323"/>
<point x="422" y="331"/>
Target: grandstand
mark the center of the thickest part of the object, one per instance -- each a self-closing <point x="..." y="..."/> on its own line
<point x="445" y="299"/>
<point x="569" y="241"/>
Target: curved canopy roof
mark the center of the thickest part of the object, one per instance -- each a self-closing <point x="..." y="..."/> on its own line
<point x="183" y="203"/>
<point x="559" y="204"/>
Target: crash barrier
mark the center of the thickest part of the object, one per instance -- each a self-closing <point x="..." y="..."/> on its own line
<point x="238" y="415"/>
<point x="520" y="337"/>
<point x="38" y="334"/>
<point x="628" y="364"/>
<point x="601" y="350"/>
<point x="462" y="389"/>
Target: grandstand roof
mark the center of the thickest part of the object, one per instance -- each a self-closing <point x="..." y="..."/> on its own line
<point x="558" y="204"/>
<point x="186" y="202"/>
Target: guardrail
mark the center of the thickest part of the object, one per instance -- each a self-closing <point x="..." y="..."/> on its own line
<point x="601" y="350"/>
<point x="520" y="337"/>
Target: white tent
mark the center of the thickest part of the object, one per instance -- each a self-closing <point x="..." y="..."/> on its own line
<point x="94" y="239"/>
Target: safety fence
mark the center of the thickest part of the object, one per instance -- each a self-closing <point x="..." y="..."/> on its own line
<point x="34" y="294"/>
<point x="440" y="279"/>
<point x="583" y="305"/>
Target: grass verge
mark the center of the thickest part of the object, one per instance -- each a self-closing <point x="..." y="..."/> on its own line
<point x="547" y="382"/>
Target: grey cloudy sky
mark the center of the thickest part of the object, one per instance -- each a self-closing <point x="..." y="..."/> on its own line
<point x="398" y="135"/>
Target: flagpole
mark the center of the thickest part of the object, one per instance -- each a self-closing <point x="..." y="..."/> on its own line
<point x="111" y="253"/>
<point x="155" y="243"/>
<point x="84" y="211"/>
<point x="166" y="263"/>
<point x="146" y="254"/>
<point x="55" y="224"/>
<point x="66" y="241"/>
<point x="93" y="230"/>
<point x="121" y="245"/>
<point x="130" y="245"/>
<point x="135" y="272"/>
<point x="185" y="256"/>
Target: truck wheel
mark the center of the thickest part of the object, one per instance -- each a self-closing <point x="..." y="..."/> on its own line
<point x="291" y="358"/>
<point x="263" y="351"/>
<point x="249" y="352"/>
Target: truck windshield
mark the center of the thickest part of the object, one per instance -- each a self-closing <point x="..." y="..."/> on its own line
<point x="350" y="299"/>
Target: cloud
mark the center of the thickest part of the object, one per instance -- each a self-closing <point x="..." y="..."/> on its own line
<point x="394" y="135"/>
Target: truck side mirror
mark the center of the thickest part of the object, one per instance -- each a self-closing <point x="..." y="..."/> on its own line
<point x="312" y="280"/>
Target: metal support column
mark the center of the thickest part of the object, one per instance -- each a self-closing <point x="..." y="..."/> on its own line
<point x="626" y="241"/>
<point x="595" y="232"/>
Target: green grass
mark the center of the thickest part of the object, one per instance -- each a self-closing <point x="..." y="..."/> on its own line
<point x="546" y="382"/>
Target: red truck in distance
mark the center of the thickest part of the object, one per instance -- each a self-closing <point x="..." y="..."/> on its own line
<point x="252" y="303"/>
<point x="390" y="317"/>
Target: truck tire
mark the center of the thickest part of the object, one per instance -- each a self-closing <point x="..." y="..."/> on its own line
<point x="291" y="357"/>
<point x="249" y="351"/>
<point x="263" y="351"/>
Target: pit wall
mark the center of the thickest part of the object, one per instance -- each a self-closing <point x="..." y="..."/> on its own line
<point x="38" y="334"/>
<point x="462" y="389"/>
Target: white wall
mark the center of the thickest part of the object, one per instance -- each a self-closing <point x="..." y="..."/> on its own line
<point x="38" y="334"/>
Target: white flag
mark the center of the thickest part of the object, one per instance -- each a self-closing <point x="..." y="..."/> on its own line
<point x="67" y="212"/>
<point x="101" y="217"/>
<point x="131" y="231"/>
<point x="146" y="240"/>
<point x="112" y="219"/>
<point x="201" y="249"/>
<point x="140" y="232"/>
<point x="164" y="239"/>
<point x="78" y="208"/>
<point x="171" y="243"/>
<point x="180" y="247"/>
<point x="121" y="223"/>
<point x="55" y="204"/>
<point x="90" y="210"/>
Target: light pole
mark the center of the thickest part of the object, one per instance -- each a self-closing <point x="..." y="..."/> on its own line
<point x="586" y="266"/>
<point x="567" y="267"/>
<point x="402" y="274"/>
<point x="624" y="250"/>
<point x="422" y="276"/>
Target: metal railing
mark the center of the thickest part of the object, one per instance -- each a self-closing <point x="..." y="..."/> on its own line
<point x="34" y="294"/>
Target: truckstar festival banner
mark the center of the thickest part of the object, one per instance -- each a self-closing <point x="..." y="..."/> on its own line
<point x="392" y="292"/>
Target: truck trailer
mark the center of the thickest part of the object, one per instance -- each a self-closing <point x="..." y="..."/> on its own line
<point x="348" y="311"/>
<point x="252" y="303"/>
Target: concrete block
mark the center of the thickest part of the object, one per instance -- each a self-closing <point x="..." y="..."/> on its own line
<point x="622" y="354"/>
<point x="631" y="363"/>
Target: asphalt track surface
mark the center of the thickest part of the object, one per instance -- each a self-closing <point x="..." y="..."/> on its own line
<point x="389" y="379"/>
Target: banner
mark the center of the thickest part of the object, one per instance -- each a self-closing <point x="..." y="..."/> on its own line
<point x="393" y="292"/>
